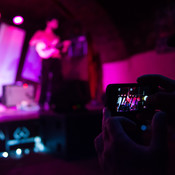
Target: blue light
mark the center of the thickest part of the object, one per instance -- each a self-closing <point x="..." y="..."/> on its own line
<point x="18" y="151"/>
<point x="15" y="142"/>
<point x="39" y="147"/>
<point x="2" y="135"/>
<point x="36" y="150"/>
<point x="37" y="139"/>
<point x="27" y="151"/>
<point x="143" y="127"/>
<point x="5" y="154"/>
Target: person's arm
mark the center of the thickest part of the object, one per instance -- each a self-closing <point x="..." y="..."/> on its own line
<point x="66" y="45"/>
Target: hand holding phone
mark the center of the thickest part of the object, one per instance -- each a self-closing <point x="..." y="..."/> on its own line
<point x="130" y="100"/>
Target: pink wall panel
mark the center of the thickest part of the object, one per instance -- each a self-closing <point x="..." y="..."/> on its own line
<point x="128" y="70"/>
<point x="11" y="43"/>
<point x="32" y="65"/>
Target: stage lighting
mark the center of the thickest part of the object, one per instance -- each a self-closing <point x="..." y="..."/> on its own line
<point x="37" y="139"/>
<point x="143" y="127"/>
<point x="5" y="154"/>
<point x="18" y="20"/>
<point x="27" y="151"/>
<point x="18" y="151"/>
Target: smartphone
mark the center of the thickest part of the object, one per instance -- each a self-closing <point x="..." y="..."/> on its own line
<point x="128" y="99"/>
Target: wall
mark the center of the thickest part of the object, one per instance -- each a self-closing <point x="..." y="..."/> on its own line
<point x="96" y="21"/>
<point x="32" y="65"/>
<point x="11" y="43"/>
<point x="128" y="70"/>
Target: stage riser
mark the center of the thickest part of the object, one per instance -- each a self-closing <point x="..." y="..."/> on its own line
<point x="67" y="136"/>
<point x="71" y="135"/>
<point x="22" y="135"/>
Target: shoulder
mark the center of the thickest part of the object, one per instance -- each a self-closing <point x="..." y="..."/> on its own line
<point x="56" y="36"/>
<point x="38" y="35"/>
<point x="39" y="32"/>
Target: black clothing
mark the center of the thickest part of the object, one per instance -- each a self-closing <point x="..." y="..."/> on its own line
<point x="51" y="79"/>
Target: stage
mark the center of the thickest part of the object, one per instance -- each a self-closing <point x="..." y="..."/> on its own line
<point x="67" y="135"/>
<point x="9" y="114"/>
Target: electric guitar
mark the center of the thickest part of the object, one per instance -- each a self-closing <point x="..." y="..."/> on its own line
<point x="46" y="51"/>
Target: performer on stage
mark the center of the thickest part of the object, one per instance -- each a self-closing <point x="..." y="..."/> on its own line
<point x="49" y="47"/>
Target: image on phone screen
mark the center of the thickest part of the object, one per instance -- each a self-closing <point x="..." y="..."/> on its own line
<point x="130" y="99"/>
<point x="126" y="97"/>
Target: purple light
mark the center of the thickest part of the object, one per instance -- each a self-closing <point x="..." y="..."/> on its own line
<point x="18" y="20"/>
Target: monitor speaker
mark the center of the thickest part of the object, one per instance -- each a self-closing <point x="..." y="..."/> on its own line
<point x="15" y="94"/>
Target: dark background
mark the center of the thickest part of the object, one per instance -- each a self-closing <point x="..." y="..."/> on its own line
<point x="142" y="25"/>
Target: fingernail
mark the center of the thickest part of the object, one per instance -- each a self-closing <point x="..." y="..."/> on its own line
<point x="104" y="110"/>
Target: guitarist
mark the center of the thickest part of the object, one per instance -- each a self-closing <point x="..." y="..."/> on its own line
<point x="45" y="42"/>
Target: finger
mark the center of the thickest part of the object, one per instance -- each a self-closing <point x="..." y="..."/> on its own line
<point x="159" y="130"/>
<point x="99" y="147"/>
<point x="106" y="115"/>
<point x="159" y="143"/>
<point x="99" y="144"/>
<point x="156" y="80"/>
<point x="162" y="100"/>
<point x="115" y="129"/>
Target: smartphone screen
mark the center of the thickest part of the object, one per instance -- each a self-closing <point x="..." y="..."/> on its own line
<point x="130" y="100"/>
<point x="126" y="98"/>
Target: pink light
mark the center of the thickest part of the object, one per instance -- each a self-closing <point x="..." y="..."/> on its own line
<point x="18" y="20"/>
<point x="25" y="85"/>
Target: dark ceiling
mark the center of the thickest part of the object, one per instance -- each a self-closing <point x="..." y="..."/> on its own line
<point x="123" y="12"/>
<point x="33" y="11"/>
<point x="127" y="15"/>
<point x="133" y="18"/>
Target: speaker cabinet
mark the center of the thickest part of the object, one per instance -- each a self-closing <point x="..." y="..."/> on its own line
<point x="15" y="94"/>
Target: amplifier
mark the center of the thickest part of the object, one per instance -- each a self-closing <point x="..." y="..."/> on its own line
<point x="15" y="94"/>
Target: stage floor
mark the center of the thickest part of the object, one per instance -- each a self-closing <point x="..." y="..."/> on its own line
<point x="31" y="130"/>
<point x="8" y="114"/>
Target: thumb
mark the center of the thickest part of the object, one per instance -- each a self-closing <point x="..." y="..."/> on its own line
<point x="159" y="130"/>
<point x="106" y="115"/>
<point x="116" y="129"/>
